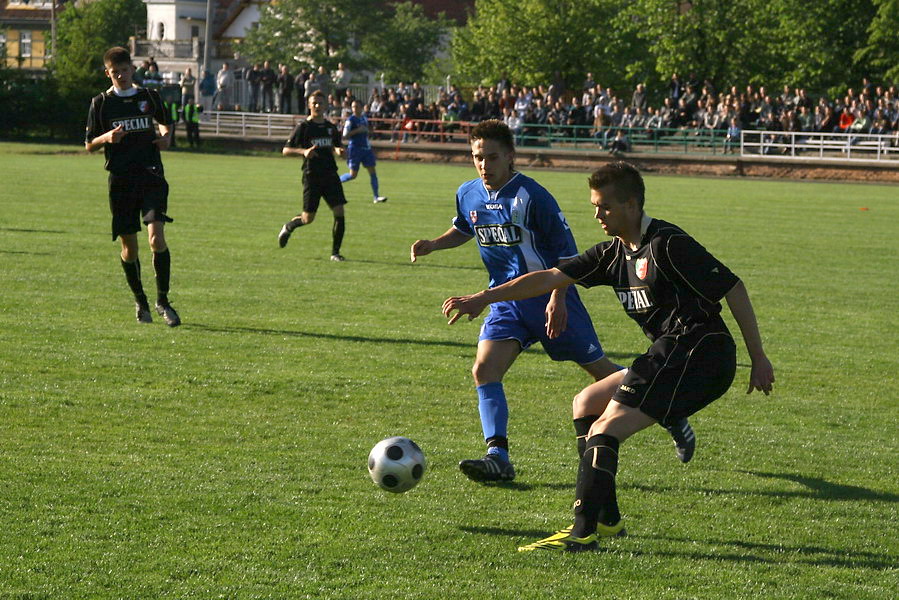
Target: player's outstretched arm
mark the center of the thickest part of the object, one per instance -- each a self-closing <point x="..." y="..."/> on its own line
<point x="451" y="238"/>
<point x="761" y="376"/>
<point x="165" y="138"/>
<point x="521" y="288"/>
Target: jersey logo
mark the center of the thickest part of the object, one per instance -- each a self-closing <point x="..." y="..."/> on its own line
<point x="143" y="106"/>
<point x="133" y="123"/>
<point x="473" y="214"/>
<point x="322" y="142"/>
<point x="634" y="300"/>
<point x="494" y="206"/>
<point x="641" y="266"/>
<point x="504" y="234"/>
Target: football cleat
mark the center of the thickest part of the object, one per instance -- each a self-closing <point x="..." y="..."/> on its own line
<point x="142" y="312"/>
<point x="684" y="439"/>
<point x="168" y="314"/>
<point x="562" y="541"/>
<point x="337" y="258"/>
<point x="379" y="199"/>
<point x="489" y="468"/>
<point x="283" y="235"/>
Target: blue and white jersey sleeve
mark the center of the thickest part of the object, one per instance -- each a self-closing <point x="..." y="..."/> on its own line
<point x="552" y="235"/>
<point x="461" y="221"/>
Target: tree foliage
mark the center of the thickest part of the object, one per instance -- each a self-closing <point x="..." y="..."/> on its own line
<point x="531" y="40"/>
<point x="880" y="53"/>
<point x="405" y="43"/>
<point x="313" y="33"/>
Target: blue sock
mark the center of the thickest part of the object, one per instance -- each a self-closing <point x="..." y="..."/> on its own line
<point x="345" y="177"/>
<point x="494" y="414"/>
<point x="374" y="184"/>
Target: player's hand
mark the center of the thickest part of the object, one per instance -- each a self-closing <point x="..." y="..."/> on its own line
<point x="464" y="305"/>
<point x="116" y="135"/>
<point x="163" y="142"/>
<point x="556" y="318"/>
<point x="310" y="151"/>
<point x="420" y="248"/>
<point x="339" y="150"/>
<point x="761" y="376"/>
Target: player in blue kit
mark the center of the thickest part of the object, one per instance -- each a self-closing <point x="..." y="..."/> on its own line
<point x="359" y="151"/>
<point x="519" y="228"/>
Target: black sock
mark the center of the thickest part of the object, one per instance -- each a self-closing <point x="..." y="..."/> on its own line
<point x="499" y="442"/>
<point x="294" y="223"/>
<point x="594" y="493"/>
<point x="337" y="234"/>
<point x="581" y="429"/>
<point x="132" y="275"/>
<point x="162" y="264"/>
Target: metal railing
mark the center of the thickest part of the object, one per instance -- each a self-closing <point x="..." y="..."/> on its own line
<point x="819" y="146"/>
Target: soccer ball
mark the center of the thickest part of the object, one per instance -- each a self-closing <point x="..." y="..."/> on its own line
<point x="396" y="464"/>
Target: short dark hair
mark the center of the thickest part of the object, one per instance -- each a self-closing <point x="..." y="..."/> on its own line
<point x="493" y="129"/>
<point x="317" y="95"/>
<point x="624" y="177"/>
<point x="117" y="56"/>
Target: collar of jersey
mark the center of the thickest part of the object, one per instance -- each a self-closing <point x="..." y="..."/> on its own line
<point x="511" y="179"/>
<point x="125" y="94"/>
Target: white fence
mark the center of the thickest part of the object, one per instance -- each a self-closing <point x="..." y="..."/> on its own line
<point x="819" y="146"/>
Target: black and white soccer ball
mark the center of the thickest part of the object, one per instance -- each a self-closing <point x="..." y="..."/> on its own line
<point x="396" y="464"/>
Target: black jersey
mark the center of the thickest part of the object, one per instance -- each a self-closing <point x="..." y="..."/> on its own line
<point x="670" y="285"/>
<point x="326" y="136"/>
<point x="136" y="114"/>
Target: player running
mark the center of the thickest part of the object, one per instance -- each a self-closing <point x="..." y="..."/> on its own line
<point x="316" y="139"/>
<point x="519" y="229"/>
<point x="672" y="287"/>
<point x="359" y="151"/>
<point x="121" y="121"/>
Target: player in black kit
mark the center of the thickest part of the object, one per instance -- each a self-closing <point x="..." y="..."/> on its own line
<point x="121" y="121"/>
<point x="316" y="139"/>
<point x="672" y="287"/>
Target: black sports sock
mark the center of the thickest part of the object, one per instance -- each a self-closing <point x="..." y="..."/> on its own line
<point x="337" y="234"/>
<point x="499" y="442"/>
<point x="595" y="484"/>
<point x="162" y="264"/>
<point x="294" y="223"/>
<point x="581" y="429"/>
<point x="132" y="275"/>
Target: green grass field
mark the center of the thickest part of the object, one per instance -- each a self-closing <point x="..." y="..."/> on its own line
<point x="227" y="458"/>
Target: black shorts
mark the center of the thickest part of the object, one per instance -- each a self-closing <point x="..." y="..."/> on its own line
<point x="675" y="379"/>
<point x="135" y="196"/>
<point x="316" y="186"/>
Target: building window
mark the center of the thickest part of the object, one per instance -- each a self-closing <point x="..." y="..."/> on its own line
<point x="25" y="44"/>
<point x="194" y="31"/>
<point x="161" y="31"/>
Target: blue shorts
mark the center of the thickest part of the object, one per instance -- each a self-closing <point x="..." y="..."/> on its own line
<point x="525" y="321"/>
<point x="363" y="156"/>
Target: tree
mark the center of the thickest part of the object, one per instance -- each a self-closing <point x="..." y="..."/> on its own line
<point x="84" y="32"/>
<point x="881" y="49"/>
<point x="312" y="32"/>
<point x="405" y="43"/>
<point x="531" y="40"/>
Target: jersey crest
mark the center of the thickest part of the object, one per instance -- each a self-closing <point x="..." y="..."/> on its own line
<point x="641" y="266"/>
<point x="473" y="215"/>
<point x="143" y="106"/>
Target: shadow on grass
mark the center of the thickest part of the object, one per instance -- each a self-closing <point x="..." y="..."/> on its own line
<point x="353" y="338"/>
<point x="417" y="265"/>
<point x="822" y="489"/>
<point x="22" y="230"/>
<point x="324" y="336"/>
<point x="742" y="551"/>
<point x="26" y="252"/>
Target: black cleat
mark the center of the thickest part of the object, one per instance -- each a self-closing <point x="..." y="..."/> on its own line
<point x="142" y="312"/>
<point x="283" y="235"/>
<point x="684" y="439"/>
<point x="489" y="468"/>
<point x="168" y="314"/>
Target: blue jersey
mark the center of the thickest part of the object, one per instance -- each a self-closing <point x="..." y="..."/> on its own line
<point x="519" y="228"/>
<point x="360" y="140"/>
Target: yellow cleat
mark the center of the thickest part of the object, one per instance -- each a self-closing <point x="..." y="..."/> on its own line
<point x="616" y="530"/>
<point x="562" y="541"/>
